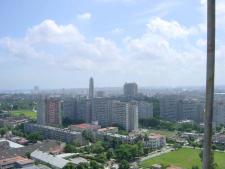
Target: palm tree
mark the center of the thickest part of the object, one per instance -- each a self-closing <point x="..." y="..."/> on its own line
<point x="207" y="159"/>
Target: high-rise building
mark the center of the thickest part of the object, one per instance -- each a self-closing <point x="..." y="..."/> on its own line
<point x="145" y="110"/>
<point x="49" y="111"/>
<point x="133" y="116"/>
<point x="100" y="93"/>
<point x="219" y="113"/>
<point x="35" y="90"/>
<point x="169" y="107"/>
<point x="190" y="109"/>
<point x="125" y="115"/>
<point x="69" y="108"/>
<point x="176" y="107"/>
<point x="41" y="117"/>
<point x="83" y="112"/>
<point x="101" y="111"/>
<point x="130" y="89"/>
<point x="91" y="88"/>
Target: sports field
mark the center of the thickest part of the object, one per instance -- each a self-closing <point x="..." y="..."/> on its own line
<point x="28" y="113"/>
<point x="185" y="158"/>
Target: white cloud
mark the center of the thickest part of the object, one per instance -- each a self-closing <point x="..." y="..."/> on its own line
<point x="117" y="30"/>
<point x="84" y="16"/>
<point x="166" y="47"/>
<point x="201" y="42"/>
<point x="65" y="46"/>
<point x="169" y="29"/>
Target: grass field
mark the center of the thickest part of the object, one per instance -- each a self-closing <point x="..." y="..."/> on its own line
<point x="163" y="132"/>
<point x="185" y="158"/>
<point x="28" y="113"/>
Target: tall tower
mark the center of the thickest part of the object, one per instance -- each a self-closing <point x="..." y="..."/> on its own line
<point x="91" y="88"/>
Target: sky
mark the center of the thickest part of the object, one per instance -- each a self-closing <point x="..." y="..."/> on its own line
<point x="61" y="43"/>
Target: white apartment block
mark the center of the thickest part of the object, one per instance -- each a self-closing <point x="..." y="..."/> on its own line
<point x="125" y="115"/>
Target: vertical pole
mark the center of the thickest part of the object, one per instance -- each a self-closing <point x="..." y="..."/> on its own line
<point x="207" y="159"/>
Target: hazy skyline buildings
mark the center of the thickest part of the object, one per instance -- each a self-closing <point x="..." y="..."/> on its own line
<point x="91" y="88"/>
<point x="130" y="89"/>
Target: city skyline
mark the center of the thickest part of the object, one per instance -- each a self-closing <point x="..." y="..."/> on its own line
<point x="138" y="43"/>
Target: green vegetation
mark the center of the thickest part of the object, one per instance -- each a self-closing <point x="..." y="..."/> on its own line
<point x="27" y="113"/>
<point x="3" y="131"/>
<point x="124" y="165"/>
<point x="184" y="157"/>
<point x="92" y="165"/>
<point x="159" y="124"/>
<point x="123" y="132"/>
<point x="34" y="137"/>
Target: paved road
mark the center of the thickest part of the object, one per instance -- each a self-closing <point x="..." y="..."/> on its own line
<point x="155" y="154"/>
<point x="151" y="155"/>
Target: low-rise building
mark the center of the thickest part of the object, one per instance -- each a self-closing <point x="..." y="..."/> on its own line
<point x="12" y="121"/>
<point x="49" y="132"/>
<point x="46" y="158"/>
<point x="112" y="130"/>
<point x="155" y="141"/>
<point x="55" y="161"/>
<point x="219" y="138"/>
<point x="84" y="126"/>
<point x="15" y="162"/>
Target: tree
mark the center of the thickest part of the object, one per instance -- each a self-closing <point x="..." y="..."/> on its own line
<point x="194" y="167"/>
<point x="97" y="147"/>
<point x="110" y="153"/>
<point x="87" y="134"/>
<point x="124" y="164"/>
<point x="3" y="131"/>
<point x="69" y="148"/>
<point x="34" y="137"/>
<point x="95" y="165"/>
<point x="27" y="154"/>
<point x="82" y="166"/>
<point x="101" y="158"/>
<point x="69" y="166"/>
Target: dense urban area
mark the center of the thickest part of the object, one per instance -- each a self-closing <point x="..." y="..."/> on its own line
<point x="109" y="128"/>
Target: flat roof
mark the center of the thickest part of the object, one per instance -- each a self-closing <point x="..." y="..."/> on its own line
<point x="78" y="160"/>
<point x="18" y="159"/>
<point x="48" y="158"/>
<point x="86" y="126"/>
<point x="12" y="144"/>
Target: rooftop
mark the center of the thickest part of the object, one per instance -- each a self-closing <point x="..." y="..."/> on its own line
<point x="78" y="160"/>
<point x="48" y="158"/>
<point x="11" y="144"/>
<point x="85" y="126"/>
<point x="17" y="159"/>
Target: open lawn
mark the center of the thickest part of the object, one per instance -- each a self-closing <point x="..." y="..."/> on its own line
<point x="163" y="132"/>
<point x="28" y="113"/>
<point x="184" y="157"/>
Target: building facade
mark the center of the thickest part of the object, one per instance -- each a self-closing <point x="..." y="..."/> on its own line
<point x="49" y="132"/>
<point x="145" y="110"/>
<point x="91" y="88"/>
<point x="169" y="107"/>
<point x="130" y="89"/>
<point x="102" y="111"/>
<point x="49" y="111"/>
<point x="125" y="115"/>
<point x="219" y="113"/>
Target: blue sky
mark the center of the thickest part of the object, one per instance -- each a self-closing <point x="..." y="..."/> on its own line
<point x="60" y="44"/>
